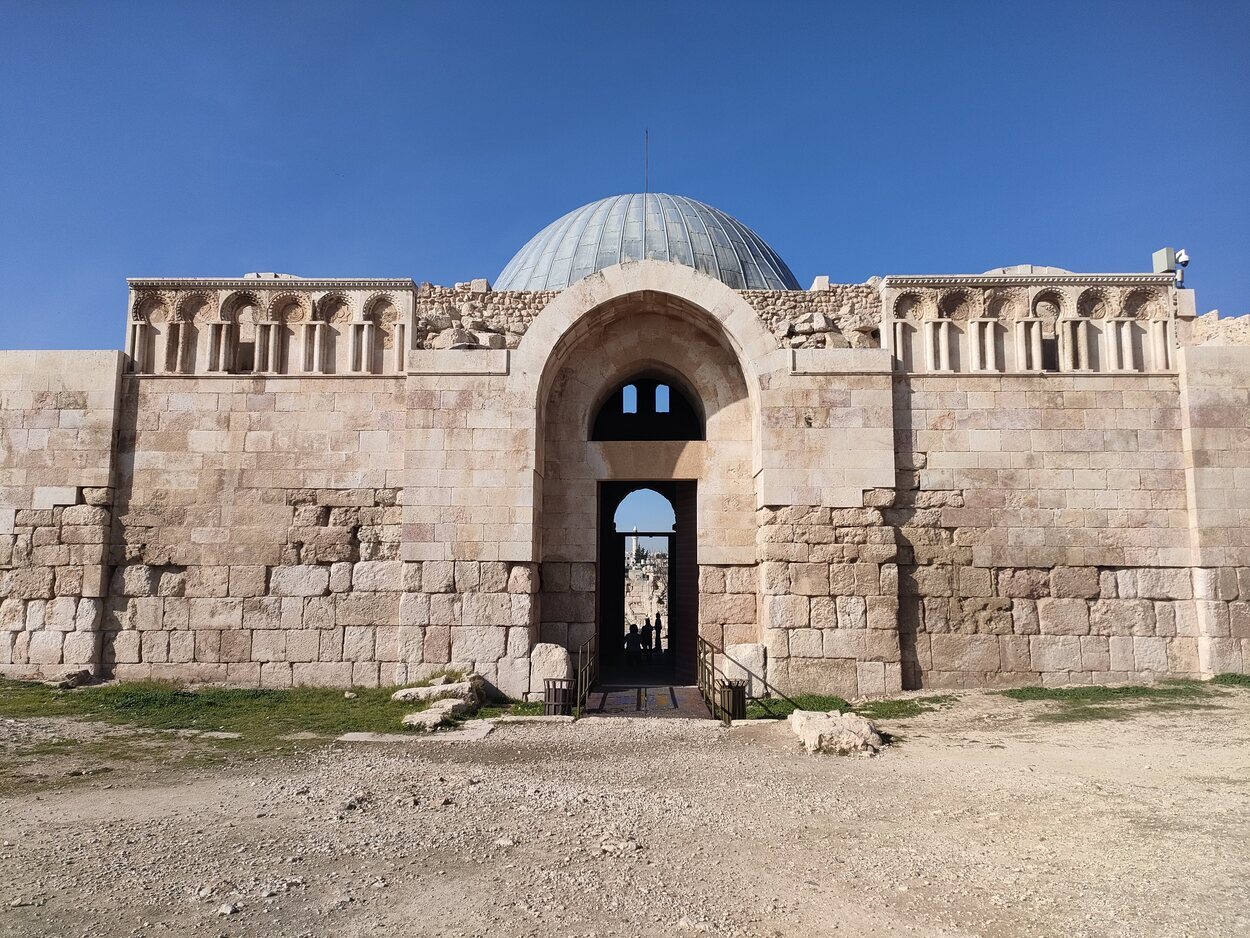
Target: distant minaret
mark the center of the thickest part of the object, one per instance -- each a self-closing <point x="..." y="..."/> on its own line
<point x="633" y="548"/>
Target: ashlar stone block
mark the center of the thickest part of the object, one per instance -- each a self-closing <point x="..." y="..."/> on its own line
<point x="1063" y="617"/>
<point x="300" y="580"/>
<point x="1074" y="582"/>
<point x="1049" y="653"/>
<point x="1164" y="583"/>
<point x="376" y="576"/>
<point x="478" y="643"/>
<point x="522" y="579"/>
<point x="438" y="576"/>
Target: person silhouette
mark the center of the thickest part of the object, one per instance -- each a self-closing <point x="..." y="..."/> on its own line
<point x="646" y="638"/>
<point x="656" y="634"/>
<point x="632" y="644"/>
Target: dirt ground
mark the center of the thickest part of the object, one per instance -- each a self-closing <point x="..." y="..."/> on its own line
<point x="981" y="820"/>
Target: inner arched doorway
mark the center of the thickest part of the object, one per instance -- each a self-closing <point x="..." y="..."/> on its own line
<point x="648" y="611"/>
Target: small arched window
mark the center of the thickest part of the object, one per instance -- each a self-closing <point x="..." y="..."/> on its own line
<point x="647" y="408"/>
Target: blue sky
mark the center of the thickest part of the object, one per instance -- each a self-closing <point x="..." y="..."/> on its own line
<point x="431" y="140"/>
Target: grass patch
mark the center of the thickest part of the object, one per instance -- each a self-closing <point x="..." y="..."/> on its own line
<point x="778" y="708"/>
<point x="904" y="708"/>
<point x="518" y="708"/>
<point x="1081" y="713"/>
<point x="1097" y="702"/>
<point x="1231" y="680"/>
<point x="1097" y="693"/>
<point x="261" y="716"/>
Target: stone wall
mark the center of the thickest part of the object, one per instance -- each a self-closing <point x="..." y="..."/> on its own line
<point x="257" y="531"/>
<point x="728" y="604"/>
<point x="57" y="416"/>
<point x="834" y="316"/>
<point x="829" y="588"/>
<point x="864" y="529"/>
<point x="1044" y="532"/>
<point x="469" y="315"/>
<point x="837" y="315"/>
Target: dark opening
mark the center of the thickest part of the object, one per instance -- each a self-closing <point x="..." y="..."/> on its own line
<point x="643" y="574"/>
<point x="647" y="408"/>
<point x="1050" y="353"/>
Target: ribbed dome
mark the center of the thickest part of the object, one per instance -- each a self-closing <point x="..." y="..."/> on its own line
<point x="677" y="229"/>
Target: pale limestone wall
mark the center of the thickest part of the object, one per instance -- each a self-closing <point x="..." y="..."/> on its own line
<point x="1215" y="403"/>
<point x="1044" y="532"/>
<point x="869" y="529"/>
<point x="256" y="537"/>
<point x="829" y="592"/>
<point x="58" y="411"/>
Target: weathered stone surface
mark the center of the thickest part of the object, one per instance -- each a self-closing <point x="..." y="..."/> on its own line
<point x="302" y="580"/>
<point x="1023" y="583"/>
<point x="786" y="612"/>
<point x="835" y="732"/>
<point x="376" y="576"/>
<point x="1055" y="652"/>
<point x="973" y="653"/>
<point x="1162" y="583"/>
<point x="1074" y="582"/>
<point x="747" y="662"/>
<point x="1063" y="616"/>
<point x="1122" y="617"/>
<point x="439" y="713"/>
<point x="461" y="690"/>
<point x="30" y="582"/>
<point x="478" y="643"/>
<point x="438" y="576"/>
<point x="548" y="661"/>
<point x="522" y="579"/>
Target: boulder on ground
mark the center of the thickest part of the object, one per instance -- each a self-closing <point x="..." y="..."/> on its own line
<point x="438" y="713"/>
<point x="471" y="690"/>
<point x="836" y="732"/>
<point x="548" y="661"/>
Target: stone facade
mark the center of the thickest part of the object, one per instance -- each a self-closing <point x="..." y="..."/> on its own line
<point x="1021" y="477"/>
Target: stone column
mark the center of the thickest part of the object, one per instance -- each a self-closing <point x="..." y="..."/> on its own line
<point x="401" y="338"/>
<point x="1161" y="344"/>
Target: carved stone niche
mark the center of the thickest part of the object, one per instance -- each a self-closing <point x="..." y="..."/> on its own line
<point x="1143" y="303"/>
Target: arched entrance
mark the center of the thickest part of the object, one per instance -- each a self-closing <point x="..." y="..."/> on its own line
<point x="645" y="391"/>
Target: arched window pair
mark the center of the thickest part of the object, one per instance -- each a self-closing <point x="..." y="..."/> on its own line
<point x="647" y="408"/>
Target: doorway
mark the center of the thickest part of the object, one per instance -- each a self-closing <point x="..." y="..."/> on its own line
<point x="647" y="572"/>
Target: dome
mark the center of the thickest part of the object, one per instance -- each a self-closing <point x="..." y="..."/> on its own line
<point x="679" y="230"/>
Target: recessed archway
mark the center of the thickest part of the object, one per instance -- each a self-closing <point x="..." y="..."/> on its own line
<point x="633" y="356"/>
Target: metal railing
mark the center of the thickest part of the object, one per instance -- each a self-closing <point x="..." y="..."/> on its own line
<point x="586" y="675"/>
<point x="725" y="698"/>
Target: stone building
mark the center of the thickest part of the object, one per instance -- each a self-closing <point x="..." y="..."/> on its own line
<point x="1022" y="476"/>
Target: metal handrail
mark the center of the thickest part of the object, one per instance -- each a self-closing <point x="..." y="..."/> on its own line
<point x="587" y="674"/>
<point x="711" y="680"/>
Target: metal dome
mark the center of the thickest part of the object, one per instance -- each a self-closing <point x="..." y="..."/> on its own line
<point x="679" y="230"/>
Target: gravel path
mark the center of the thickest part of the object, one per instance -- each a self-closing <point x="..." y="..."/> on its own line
<point x="981" y="822"/>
